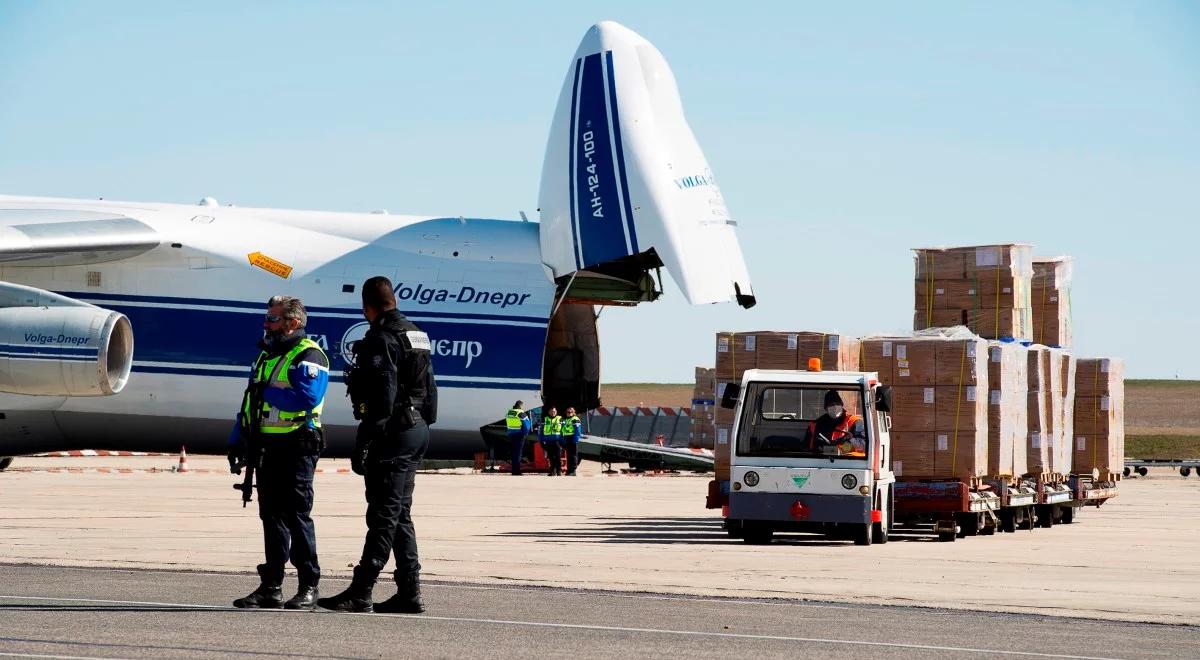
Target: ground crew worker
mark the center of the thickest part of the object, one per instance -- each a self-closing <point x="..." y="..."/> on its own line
<point x="394" y="396"/>
<point x="550" y="434"/>
<point x="518" y="424"/>
<point x="281" y="409"/>
<point x="572" y="430"/>
<point x="837" y="429"/>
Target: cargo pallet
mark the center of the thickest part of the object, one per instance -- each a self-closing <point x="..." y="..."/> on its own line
<point x="956" y="507"/>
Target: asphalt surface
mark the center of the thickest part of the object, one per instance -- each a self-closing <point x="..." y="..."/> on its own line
<point x="102" y="613"/>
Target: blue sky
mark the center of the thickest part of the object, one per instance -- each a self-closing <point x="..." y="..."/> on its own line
<point x="841" y="135"/>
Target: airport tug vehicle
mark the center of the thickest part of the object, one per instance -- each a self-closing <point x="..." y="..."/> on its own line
<point x="788" y="476"/>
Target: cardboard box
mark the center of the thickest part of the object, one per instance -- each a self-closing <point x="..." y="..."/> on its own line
<point x="915" y="362"/>
<point x="914" y="408"/>
<point x="878" y="355"/>
<point x="939" y="454"/>
<point x="971" y="294"/>
<point x="1099" y="376"/>
<point x="962" y="408"/>
<point x="985" y="288"/>
<point x="1000" y="323"/>
<point x="706" y="384"/>
<point x="736" y="352"/>
<point x="778" y="350"/>
<point x="914" y="453"/>
<point x="721" y="451"/>
<point x="1037" y="454"/>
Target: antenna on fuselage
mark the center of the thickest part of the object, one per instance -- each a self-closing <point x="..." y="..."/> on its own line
<point x="524" y="218"/>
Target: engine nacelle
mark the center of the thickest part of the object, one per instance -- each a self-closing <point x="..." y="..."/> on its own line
<point x="76" y="350"/>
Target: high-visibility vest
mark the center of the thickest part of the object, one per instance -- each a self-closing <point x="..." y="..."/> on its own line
<point x="838" y="435"/>
<point x="513" y="419"/>
<point x="274" y="372"/>
<point x="568" y="426"/>
<point x="552" y="427"/>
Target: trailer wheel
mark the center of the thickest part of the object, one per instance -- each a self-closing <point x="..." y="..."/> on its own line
<point x="733" y="528"/>
<point x="1185" y="471"/>
<point x="5" y="461"/>
<point x="1008" y="521"/>
<point x="1045" y="516"/>
<point x="863" y="534"/>
<point x="1026" y="519"/>
<point x="757" y="535"/>
<point x="1125" y="471"/>
<point x="1068" y="515"/>
<point x="947" y="537"/>
<point x="968" y="524"/>
<point x="1143" y="470"/>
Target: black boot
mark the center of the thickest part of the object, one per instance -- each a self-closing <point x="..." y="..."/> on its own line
<point x="356" y="597"/>
<point x="266" y="596"/>
<point x="407" y="599"/>
<point x="305" y="598"/>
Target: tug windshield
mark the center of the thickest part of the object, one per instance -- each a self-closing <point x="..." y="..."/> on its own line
<point x="791" y="420"/>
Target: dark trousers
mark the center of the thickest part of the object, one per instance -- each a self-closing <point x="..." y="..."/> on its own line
<point x="554" y="456"/>
<point x="285" y="501"/>
<point x="517" y="442"/>
<point x="572" y="448"/>
<point x="390" y="528"/>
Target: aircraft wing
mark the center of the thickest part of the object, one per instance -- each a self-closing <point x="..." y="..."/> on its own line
<point x="41" y="237"/>
<point x="637" y="454"/>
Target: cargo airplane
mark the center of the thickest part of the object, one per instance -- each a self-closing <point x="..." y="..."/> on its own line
<point x="132" y="325"/>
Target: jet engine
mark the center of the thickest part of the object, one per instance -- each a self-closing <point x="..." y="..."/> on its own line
<point x="51" y="345"/>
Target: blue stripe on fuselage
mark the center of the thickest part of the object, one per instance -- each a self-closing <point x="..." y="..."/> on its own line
<point x="185" y="338"/>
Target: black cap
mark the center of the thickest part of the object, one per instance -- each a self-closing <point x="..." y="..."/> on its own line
<point x="832" y="398"/>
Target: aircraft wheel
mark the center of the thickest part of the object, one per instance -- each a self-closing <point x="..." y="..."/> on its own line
<point x="5" y="461"/>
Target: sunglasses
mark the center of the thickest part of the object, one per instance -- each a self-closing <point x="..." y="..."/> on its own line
<point x="274" y="318"/>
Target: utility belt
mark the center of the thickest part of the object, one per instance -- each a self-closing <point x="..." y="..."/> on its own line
<point x="303" y="441"/>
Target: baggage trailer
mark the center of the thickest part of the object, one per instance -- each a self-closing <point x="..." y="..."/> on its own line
<point x="1142" y="465"/>
<point x="955" y="507"/>
<point x="1018" y="497"/>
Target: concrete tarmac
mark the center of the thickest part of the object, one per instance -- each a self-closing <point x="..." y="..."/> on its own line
<point x="1137" y="558"/>
<point x="53" y="612"/>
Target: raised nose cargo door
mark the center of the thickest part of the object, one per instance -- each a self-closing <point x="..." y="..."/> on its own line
<point x="625" y="188"/>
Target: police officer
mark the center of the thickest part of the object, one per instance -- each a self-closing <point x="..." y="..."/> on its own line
<point x="395" y="399"/>
<point x="280" y="424"/>
<point x="572" y="430"/>
<point x="550" y="433"/>
<point x="518" y="424"/>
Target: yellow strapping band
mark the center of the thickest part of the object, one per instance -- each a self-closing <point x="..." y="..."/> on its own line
<point x="962" y="368"/>
<point x="997" y="335"/>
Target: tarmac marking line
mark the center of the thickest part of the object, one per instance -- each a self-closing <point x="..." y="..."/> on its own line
<point x="626" y="629"/>
<point x="61" y="657"/>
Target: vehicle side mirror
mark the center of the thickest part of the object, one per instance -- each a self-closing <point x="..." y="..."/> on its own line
<point x="730" y="398"/>
<point x="883" y="398"/>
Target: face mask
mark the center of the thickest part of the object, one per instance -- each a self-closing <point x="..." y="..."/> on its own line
<point x="834" y="411"/>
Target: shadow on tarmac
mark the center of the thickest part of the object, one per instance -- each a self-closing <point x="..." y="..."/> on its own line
<point x="681" y="530"/>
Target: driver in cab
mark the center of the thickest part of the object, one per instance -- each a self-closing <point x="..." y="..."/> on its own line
<point x="837" y="432"/>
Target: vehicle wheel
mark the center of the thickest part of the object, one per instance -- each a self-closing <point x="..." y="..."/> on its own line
<point x="1125" y="471"/>
<point x="988" y="529"/>
<point x="968" y="524"/>
<point x="1045" y="516"/>
<point x="733" y="528"/>
<point x="1143" y="470"/>
<point x="5" y="461"/>
<point x="862" y="535"/>
<point x="758" y="535"/>
<point x="1185" y="471"/>
<point x="1068" y="515"/>
<point x="1008" y="521"/>
<point x="947" y="537"/>
<point x="1026" y="521"/>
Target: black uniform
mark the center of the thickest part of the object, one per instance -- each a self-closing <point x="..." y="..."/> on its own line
<point x="395" y="399"/>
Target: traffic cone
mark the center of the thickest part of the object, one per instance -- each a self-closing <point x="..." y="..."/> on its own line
<point x="183" y="466"/>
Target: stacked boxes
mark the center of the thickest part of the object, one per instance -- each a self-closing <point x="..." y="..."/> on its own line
<point x="985" y="288"/>
<point x="1038" y="447"/>
<point x="1060" y="408"/>
<point x="1008" y="424"/>
<point x="1099" y="442"/>
<point x="704" y="408"/>
<point x="1051" y="301"/>
<point x="939" y="403"/>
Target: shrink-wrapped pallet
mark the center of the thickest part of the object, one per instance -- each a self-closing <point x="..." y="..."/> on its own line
<point x="1099" y="442"/>
<point x="1060" y="407"/>
<point x="1038" y="446"/>
<point x="939" y="401"/>
<point x="1008" y="425"/>
<point x="985" y="288"/>
<point x="1050" y="298"/>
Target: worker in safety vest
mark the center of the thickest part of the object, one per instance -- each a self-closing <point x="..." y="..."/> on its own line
<point x="572" y="430"/>
<point x="518" y="425"/>
<point x="550" y="433"/>
<point x="278" y="431"/>
<point x="837" y="429"/>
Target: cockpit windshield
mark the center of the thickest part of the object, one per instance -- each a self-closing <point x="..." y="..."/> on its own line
<point x="803" y="421"/>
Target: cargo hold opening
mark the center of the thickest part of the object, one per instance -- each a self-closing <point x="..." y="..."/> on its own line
<point x="571" y="362"/>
